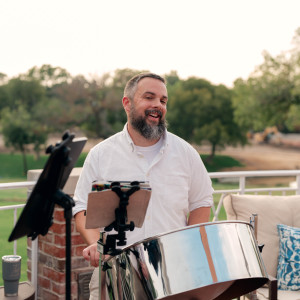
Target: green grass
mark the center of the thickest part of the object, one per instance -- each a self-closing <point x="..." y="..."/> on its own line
<point x="11" y="165"/>
<point x="219" y="162"/>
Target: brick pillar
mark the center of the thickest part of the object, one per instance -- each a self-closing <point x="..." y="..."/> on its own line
<point x="51" y="251"/>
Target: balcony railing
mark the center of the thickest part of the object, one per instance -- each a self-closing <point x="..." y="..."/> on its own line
<point x="240" y="176"/>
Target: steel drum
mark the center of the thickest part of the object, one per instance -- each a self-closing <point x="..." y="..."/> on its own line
<point x="218" y="260"/>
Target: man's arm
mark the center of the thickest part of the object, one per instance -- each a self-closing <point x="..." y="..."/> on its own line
<point x="199" y="215"/>
<point x="91" y="236"/>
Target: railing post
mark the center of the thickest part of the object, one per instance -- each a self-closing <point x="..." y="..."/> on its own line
<point x="34" y="265"/>
<point x="242" y="184"/>
<point x="15" y="221"/>
<point x="298" y="184"/>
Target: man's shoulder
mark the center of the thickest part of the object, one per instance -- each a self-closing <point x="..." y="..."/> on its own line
<point x="109" y="142"/>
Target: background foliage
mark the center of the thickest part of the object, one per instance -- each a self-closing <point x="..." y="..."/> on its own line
<point x="48" y="99"/>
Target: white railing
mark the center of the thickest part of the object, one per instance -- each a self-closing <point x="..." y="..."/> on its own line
<point x="240" y="176"/>
<point x="14" y="208"/>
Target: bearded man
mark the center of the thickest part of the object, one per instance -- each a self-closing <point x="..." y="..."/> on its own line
<point x="145" y="151"/>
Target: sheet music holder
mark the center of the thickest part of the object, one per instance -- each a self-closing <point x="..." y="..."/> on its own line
<point x="102" y="205"/>
<point x="36" y="217"/>
<point x="119" y="207"/>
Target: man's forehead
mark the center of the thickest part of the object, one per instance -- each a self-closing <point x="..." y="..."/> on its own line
<point x="151" y="85"/>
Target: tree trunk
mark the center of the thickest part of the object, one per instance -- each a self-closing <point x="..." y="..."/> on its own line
<point x="210" y="158"/>
<point x="25" y="167"/>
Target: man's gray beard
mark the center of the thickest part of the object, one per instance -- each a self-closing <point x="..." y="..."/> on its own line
<point x="149" y="132"/>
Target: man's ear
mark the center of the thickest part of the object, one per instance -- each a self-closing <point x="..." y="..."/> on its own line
<point x="126" y="104"/>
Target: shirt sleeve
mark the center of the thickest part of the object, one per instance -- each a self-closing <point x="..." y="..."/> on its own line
<point x="201" y="190"/>
<point x="84" y="184"/>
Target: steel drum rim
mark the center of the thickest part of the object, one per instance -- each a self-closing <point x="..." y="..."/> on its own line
<point x="185" y="228"/>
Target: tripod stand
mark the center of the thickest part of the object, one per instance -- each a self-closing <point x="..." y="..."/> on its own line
<point x="37" y="215"/>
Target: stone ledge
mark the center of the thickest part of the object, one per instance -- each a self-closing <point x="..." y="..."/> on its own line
<point x="69" y="188"/>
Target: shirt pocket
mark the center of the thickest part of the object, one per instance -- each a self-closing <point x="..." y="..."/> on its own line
<point x="175" y="193"/>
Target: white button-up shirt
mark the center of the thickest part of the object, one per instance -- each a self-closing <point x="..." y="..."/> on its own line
<point x="177" y="177"/>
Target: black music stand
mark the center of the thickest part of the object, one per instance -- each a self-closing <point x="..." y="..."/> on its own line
<point x="37" y="215"/>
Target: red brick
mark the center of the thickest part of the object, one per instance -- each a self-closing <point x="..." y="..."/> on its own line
<point x="78" y="250"/>
<point x="55" y="251"/>
<point x="40" y="245"/>
<point x="59" y="215"/>
<point x="78" y="240"/>
<point x="54" y="275"/>
<point x="28" y="265"/>
<point x="60" y="240"/>
<point x="44" y="282"/>
<point x="49" y="237"/>
<point x="58" y="228"/>
<point x="47" y="295"/>
<point x="59" y="288"/>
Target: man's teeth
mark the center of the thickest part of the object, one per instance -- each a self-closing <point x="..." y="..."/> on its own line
<point x="154" y="116"/>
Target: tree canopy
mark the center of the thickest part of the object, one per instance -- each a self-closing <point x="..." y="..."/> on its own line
<point x="48" y="99"/>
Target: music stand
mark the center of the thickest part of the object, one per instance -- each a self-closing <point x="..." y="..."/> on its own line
<point x="37" y="215"/>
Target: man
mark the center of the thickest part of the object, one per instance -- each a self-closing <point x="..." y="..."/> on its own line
<point x="146" y="151"/>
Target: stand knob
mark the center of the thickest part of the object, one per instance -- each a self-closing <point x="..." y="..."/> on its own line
<point x="260" y="247"/>
<point x="49" y="149"/>
<point x="131" y="226"/>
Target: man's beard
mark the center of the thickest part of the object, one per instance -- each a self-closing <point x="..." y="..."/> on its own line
<point x="149" y="132"/>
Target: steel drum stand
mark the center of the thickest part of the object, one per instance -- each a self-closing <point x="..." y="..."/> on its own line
<point x="107" y="243"/>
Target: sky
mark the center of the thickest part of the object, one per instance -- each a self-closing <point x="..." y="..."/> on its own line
<point x="219" y="40"/>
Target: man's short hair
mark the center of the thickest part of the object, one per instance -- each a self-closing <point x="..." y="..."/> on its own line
<point x="131" y="85"/>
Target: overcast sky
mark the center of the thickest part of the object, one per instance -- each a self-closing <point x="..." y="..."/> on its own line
<point x="219" y="40"/>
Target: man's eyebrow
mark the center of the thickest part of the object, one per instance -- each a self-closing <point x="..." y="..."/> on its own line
<point x="153" y="94"/>
<point x="147" y="92"/>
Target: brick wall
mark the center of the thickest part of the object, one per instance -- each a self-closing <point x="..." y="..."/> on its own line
<point x="51" y="252"/>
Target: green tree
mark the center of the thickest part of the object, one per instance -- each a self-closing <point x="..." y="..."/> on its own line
<point x="20" y="131"/>
<point x="48" y="75"/>
<point x="21" y="97"/>
<point x="267" y="97"/>
<point x="200" y="111"/>
<point x="26" y="92"/>
<point x="171" y="78"/>
<point x="106" y="114"/>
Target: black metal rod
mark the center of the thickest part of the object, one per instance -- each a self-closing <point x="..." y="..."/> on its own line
<point x="68" y="253"/>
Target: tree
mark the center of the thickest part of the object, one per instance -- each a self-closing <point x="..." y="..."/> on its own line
<point x="200" y="111"/>
<point x="26" y="92"/>
<point x="19" y="131"/>
<point x="106" y="113"/>
<point x="48" y="75"/>
<point x="267" y="97"/>
<point x="22" y="97"/>
<point x="172" y="78"/>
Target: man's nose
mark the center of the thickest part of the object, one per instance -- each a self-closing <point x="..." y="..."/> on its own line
<point x="157" y="103"/>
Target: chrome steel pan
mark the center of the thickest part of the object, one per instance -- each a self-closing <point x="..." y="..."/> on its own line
<point x="218" y="260"/>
